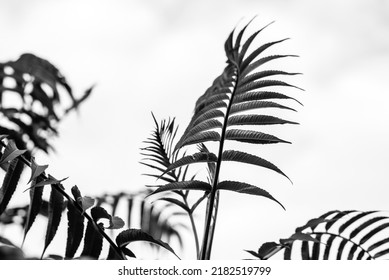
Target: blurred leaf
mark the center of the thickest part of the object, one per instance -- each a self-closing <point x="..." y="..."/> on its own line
<point x="85" y="202"/>
<point x="176" y="202"/>
<point x="116" y="223"/>
<point x="77" y="102"/>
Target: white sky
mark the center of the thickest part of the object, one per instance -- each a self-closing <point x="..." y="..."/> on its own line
<point x="161" y="55"/>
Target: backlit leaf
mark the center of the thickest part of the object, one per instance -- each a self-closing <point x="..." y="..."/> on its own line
<point x="93" y="242"/>
<point x="245" y="106"/>
<point x="85" y="202"/>
<point x="258" y="51"/>
<point x="256" y="120"/>
<point x="11" y="152"/>
<point x="299" y="236"/>
<point x="243" y="157"/>
<point x="262" y="74"/>
<point x="35" y="205"/>
<point x="184" y="185"/>
<point x="36" y="169"/>
<point x="201" y="138"/>
<point x="131" y="235"/>
<point x="266" y="249"/>
<point x="241" y="187"/>
<point x="55" y="212"/>
<point x="176" y="202"/>
<point x="195" y="158"/>
<point x="252" y="137"/>
<point x="49" y="181"/>
<point x="261" y="95"/>
<point x="75" y="230"/>
<point x="10" y="182"/>
<point x="116" y="223"/>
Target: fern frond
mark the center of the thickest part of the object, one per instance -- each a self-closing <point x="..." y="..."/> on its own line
<point x="159" y="154"/>
<point x="351" y="235"/>
<point x="242" y="86"/>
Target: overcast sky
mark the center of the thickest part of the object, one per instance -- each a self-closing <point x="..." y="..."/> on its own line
<point x="162" y="55"/>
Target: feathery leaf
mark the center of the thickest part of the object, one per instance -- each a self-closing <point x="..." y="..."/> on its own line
<point x="256" y="120"/>
<point x="195" y="158"/>
<point x="252" y="137"/>
<point x="184" y="185"/>
<point x="241" y="187"/>
<point x="238" y="156"/>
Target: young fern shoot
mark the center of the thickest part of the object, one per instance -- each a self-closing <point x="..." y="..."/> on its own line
<point x="230" y="103"/>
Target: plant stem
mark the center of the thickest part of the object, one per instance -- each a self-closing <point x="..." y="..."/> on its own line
<point x="213" y="225"/>
<point x="206" y="249"/>
<point x="192" y="222"/>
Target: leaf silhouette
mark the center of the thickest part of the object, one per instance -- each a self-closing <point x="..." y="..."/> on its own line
<point x="176" y="202"/>
<point x="75" y="230"/>
<point x="245" y="188"/>
<point x="352" y="235"/>
<point x="242" y="86"/>
<point x="85" y="202"/>
<point x="184" y="185"/>
<point x="10" y="182"/>
<point x="256" y="120"/>
<point x="55" y="212"/>
<point x="230" y="155"/>
<point x="11" y="152"/>
<point x="93" y="240"/>
<point x="195" y="158"/>
<point x="253" y="137"/>
<point x="35" y="205"/>
<point x="36" y="169"/>
<point x="115" y="223"/>
<point x="131" y="235"/>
